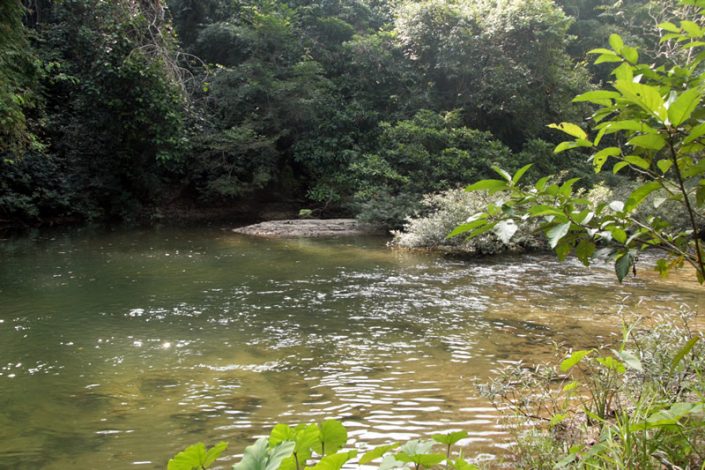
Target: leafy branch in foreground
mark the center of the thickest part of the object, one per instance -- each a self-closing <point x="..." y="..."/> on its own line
<point x="651" y="124"/>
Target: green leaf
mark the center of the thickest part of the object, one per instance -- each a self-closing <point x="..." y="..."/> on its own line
<point x="607" y="58"/>
<point x="601" y="97"/>
<point x="334" y="461"/>
<point x="623" y="264"/>
<point x="682" y="108"/>
<point x="542" y="211"/>
<point x="520" y="172"/>
<point x="450" y="438"/>
<point x="619" y="166"/>
<point x="502" y="173"/>
<point x="691" y="28"/>
<point x="505" y="230"/>
<point x="664" y="165"/>
<point x="260" y="456"/>
<point x="196" y="456"/>
<point x="491" y="186"/>
<point x="574" y="359"/>
<point x="584" y="251"/>
<point x="637" y="162"/>
<point x="616" y="43"/>
<point x="570" y="386"/>
<point x="461" y="464"/>
<point x="572" y="144"/>
<point x="570" y="129"/>
<point x="611" y="363"/>
<point x="673" y="415"/>
<point x="630" y="360"/>
<point x="619" y="235"/>
<point x="700" y="196"/>
<point x="557" y="232"/>
<point x="465" y="228"/>
<point x="426" y="460"/>
<point x="695" y="133"/>
<point x="610" y="127"/>
<point x="377" y="452"/>
<point x="332" y="437"/>
<point x="631" y="54"/>
<point x="648" y="141"/>
<point x="639" y="194"/>
<point x="624" y="72"/>
<point x="668" y="26"/>
<point x="682" y="352"/>
<point x="646" y="97"/>
<point x="600" y="158"/>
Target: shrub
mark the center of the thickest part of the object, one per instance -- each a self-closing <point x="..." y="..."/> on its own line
<point x="447" y="210"/>
<point x="639" y="406"/>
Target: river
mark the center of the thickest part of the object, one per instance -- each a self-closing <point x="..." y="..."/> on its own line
<point x="117" y="349"/>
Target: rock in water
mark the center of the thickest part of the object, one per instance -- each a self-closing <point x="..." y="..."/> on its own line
<point x="310" y="228"/>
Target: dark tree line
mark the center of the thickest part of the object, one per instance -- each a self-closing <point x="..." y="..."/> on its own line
<point x="112" y="109"/>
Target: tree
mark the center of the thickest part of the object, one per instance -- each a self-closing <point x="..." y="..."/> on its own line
<point x="649" y="122"/>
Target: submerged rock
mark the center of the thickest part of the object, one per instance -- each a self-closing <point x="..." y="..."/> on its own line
<point x="310" y="228"/>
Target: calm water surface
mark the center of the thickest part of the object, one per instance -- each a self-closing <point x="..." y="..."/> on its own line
<point x="119" y="349"/>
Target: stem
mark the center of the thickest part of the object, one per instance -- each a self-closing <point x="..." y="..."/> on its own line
<point x="691" y="212"/>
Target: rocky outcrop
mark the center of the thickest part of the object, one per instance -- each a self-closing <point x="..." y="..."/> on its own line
<point x="309" y="228"/>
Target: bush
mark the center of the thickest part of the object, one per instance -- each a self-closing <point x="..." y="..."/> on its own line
<point x="640" y="406"/>
<point x="447" y="210"/>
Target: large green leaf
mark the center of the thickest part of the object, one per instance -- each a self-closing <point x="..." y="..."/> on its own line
<point x="196" y="457"/>
<point x="488" y="185"/>
<point x="630" y="360"/>
<point x="461" y="464"/>
<point x="332" y="437"/>
<point x="574" y="359"/>
<point x="648" y="141"/>
<point x="610" y="127"/>
<point x="334" y="461"/>
<point x="505" y="230"/>
<point x="682" y="108"/>
<point x="424" y="460"/>
<point x="556" y="232"/>
<point x="695" y="133"/>
<point x="637" y="161"/>
<point x="260" y="456"/>
<point x="450" y="438"/>
<point x="377" y="452"/>
<point x="468" y="227"/>
<point x="646" y="97"/>
<point x="674" y="414"/>
<point x="610" y="363"/>
<point x="600" y="158"/>
<point x="584" y="251"/>
<point x="623" y="264"/>
<point x="520" y="172"/>
<point x="601" y="97"/>
<point x="616" y="43"/>
<point x="416" y="446"/>
<point x="639" y="194"/>
<point x="570" y="129"/>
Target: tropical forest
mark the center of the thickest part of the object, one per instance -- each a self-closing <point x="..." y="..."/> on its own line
<point x="352" y="234"/>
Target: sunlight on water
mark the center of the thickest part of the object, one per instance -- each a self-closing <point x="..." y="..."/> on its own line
<point x="119" y="349"/>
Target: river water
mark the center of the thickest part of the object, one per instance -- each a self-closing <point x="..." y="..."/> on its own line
<point x="118" y="349"/>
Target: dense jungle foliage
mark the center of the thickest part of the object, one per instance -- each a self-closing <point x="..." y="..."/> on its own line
<point x="113" y="110"/>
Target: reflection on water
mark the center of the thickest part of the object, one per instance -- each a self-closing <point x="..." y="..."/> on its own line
<point x="117" y="350"/>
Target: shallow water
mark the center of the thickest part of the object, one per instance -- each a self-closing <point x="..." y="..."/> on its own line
<point x="119" y="349"/>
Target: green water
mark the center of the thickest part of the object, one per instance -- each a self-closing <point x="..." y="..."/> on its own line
<point x="118" y="349"/>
